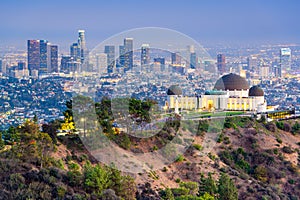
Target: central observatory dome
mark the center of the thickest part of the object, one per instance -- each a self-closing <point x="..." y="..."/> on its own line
<point x="231" y="82"/>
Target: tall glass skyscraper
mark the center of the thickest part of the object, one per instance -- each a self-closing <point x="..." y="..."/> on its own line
<point x="82" y="45"/>
<point x="53" y="59"/>
<point x="43" y="69"/>
<point x="128" y="58"/>
<point x="285" y="60"/>
<point x="33" y="55"/>
<point x="145" y="54"/>
<point x="42" y="57"/>
<point x="110" y="52"/>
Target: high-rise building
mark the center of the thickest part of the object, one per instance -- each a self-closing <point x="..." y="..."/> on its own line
<point x="252" y="63"/>
<point x="43" y="69"/>
<point x="285" y="60"/>
<point x="82" y="45"/>
<point x="75" y="51"/>
<point x="128" y="56"/>
<point x="33" y="56"/>
<point x="65" y="63"/>
<point x="145" y="54"/>
<point x="193" y="60"/>
<point x="42" y="57"/>
<point x="52" y="58"/>
<point x="1" y="69"/>
<point x="221" y="63"/>
<point x="264" y="71"/>
<point x="121" y="59"/>
<point x="159" y="60"/>
<point x="21" y="66"/>
<point x="109" y="50"/>
<point x="101" y="63"/>
<point x="175" y="59"/>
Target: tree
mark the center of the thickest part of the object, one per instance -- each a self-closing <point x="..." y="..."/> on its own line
<point x="1" y="141"/>
<point x="169" y="194"/>
<point x="96" y="179"/>
<point x="226" y="188"/>
<point x="207" y="185"/>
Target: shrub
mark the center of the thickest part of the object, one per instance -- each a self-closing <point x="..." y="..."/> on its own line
<point x="279" y="140"/>
<point x="296" y="128"/>
<point x="191" y="186"/>
<point x="180" y="158"/>
<point x="287" y="149"/>
<point x="180" y="191"/>
<point x="280" y="125"/>
<point x="198" y="147"/>
<point x="271" y="127"/>
<point x="177" y="180"/>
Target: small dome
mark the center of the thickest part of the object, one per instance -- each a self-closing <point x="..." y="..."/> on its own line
<point x="174" y="90"/>
<point x="256" y="91"/>
<point x="231" y="82"/>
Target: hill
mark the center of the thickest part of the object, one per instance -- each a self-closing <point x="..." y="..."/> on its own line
<point x="251" y="160"/>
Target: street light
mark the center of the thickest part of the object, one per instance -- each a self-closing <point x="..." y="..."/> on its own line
<point x="83" y="120"/>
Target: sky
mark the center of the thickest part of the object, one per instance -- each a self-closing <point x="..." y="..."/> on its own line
<point x="207" y="21"/>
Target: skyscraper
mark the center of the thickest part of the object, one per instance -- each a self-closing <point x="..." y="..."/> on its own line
<point x="145" y="57"/>
<point x="128" y="56"/>
<point x="175" y="59"/>
<point x="285" y="60"/>
<point x="33" y="56"/>
<point x="82" y="45"/>
<point x="101" y="63"/>
<point x="52" y="58"/>
<point x="1" y="69"/>
<point x="109" y="50"/>
<point x="121" y="58"/>
<point x="193" y="60"/>
<point x="75" y="51"/>
<point x="42" y="57"/>
<point x="43" y="69"/>
<point x="221" y="65"/>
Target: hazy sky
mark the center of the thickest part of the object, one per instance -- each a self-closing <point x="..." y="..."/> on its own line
<point x="207" y="21"/>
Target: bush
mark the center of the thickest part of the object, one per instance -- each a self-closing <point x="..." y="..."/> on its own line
<point x="280" y="125"/>
<point x="296" y="128"/>
<point x="180" y="158"/>
<point x="287" y="149"/>
<point x="177" y="192"/>
<point x="271" y="127"/>
<point x="191" y="186"/>
<point x="198" y="147"/>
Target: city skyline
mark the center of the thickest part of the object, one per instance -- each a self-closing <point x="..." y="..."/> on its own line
<point x="206" y="22"/>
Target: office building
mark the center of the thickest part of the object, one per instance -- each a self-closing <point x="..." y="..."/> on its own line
<point x="145" y="54"/>
<point x="175" y="59"/>
<point x="33" y="56"/>
<point x="75" y="51"/>
<point x="109" y="50"/>
<point x="42" y="57"/>
<point x="102" y="64"/>
<point x="82" y="45"/>
<point x="221" y="63"/>
<point x="1" y="67"/>
<point x="285" y="60"/>
<point x="128" y="56"/>
<point x="193" y="60"/>
<point x="43" y="68"/>
<point x="52" y="58"/>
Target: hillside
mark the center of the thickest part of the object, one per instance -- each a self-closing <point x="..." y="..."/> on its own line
<point x="262" y="160"/>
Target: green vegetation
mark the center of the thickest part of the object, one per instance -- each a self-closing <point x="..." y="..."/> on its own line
<point x="28" y="170"/>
